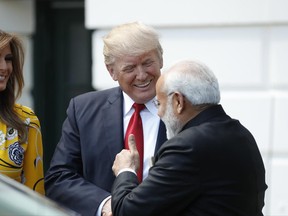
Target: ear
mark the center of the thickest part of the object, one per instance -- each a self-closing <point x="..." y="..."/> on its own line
<point x="112" y="72"/>
<point x="179" y="102"/>
<point x="161" y="63"/>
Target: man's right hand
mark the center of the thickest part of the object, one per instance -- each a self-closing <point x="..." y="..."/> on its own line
<point x="127" y="158"/>
<point x="107" y="210"/>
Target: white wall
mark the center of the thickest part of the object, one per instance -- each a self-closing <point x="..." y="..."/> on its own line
<point x="245" y="43"/>
<point x="17" y="16"/>
<point x="102" y="14"/>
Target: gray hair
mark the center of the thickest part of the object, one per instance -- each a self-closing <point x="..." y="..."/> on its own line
<point x="130" y="39"/>
<point x="194" y="80"/>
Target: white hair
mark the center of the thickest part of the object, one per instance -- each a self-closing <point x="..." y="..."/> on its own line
<point x="194" y="80"/>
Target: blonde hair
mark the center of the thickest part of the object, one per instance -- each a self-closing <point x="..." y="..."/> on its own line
<point x="14" y="86"/>
<point x="130" y="39"/>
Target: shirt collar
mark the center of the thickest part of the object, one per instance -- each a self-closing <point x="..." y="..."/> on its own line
<point x="128" y="102"/>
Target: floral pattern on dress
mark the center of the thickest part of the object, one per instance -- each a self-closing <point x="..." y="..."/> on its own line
<point x="2" y="138"/>
<point x="16" y="153"/>
<point x="27" y="121"/>
<point x="17" y="160"/>
<point x="11" y="133"/>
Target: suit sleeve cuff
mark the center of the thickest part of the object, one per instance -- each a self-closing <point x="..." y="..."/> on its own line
<point x="99" y="211"/>
<point x="126" y="170"/>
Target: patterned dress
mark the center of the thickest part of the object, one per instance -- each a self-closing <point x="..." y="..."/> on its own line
<point x="23" y="162"/>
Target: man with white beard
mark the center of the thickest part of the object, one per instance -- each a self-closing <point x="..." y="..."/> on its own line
<point x="210" y="165"/>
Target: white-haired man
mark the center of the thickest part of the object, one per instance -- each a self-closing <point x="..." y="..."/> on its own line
<point x="210" y="165"/>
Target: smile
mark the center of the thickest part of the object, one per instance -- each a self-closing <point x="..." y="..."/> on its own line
<point x="144" y="85"/>
<point x="2" y="77"/>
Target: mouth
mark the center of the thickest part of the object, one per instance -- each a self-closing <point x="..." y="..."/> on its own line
<point x="143" y="85"/>
<point x="2" y="77"/>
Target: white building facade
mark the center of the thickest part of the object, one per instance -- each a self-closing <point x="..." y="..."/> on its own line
<point x="245" y="43"/>
<point x="18" y="16"/>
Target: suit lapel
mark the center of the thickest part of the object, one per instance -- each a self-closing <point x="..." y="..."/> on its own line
<point x="162" y="137"/>
<point x="113" y="123"/>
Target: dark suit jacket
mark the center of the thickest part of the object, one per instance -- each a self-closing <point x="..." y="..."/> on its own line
<point x="211" y="168"/>
<point x="80" y="175"/>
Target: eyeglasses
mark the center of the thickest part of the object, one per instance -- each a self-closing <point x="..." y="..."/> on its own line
<point x="157" y="103"/>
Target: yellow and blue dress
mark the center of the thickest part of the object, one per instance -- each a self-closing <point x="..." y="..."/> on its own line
<point x="23" y="162"/>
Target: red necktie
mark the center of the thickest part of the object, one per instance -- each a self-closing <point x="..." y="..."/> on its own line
<point x="135" y="127"/>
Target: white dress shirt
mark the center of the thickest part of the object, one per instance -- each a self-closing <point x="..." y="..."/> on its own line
<point x="150" y="122"/>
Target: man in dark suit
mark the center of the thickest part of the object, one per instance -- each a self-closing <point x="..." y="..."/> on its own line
<point x="210" y="165"/>
<point x="80" y="175"/>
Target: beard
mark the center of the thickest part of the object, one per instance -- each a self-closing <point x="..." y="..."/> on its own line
<point x="173" y="125"/>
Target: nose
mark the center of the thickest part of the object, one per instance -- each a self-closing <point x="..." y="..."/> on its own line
<point x="3" y="64"/>
<point x="141" y="73"/>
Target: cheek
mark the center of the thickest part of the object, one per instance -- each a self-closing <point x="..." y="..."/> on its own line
<point x="161" y="111"/>
<point x="125" y="80"/>
<point x="155" y="71"/>
<point x="9" y="68"/>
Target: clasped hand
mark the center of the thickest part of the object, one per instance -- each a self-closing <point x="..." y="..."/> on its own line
<point x="127" y="158"/>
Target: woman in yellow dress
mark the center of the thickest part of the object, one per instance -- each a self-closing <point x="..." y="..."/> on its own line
<point x="21" y="150"/>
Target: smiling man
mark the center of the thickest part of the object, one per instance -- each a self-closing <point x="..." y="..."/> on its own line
<point x="80" y="175"/>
